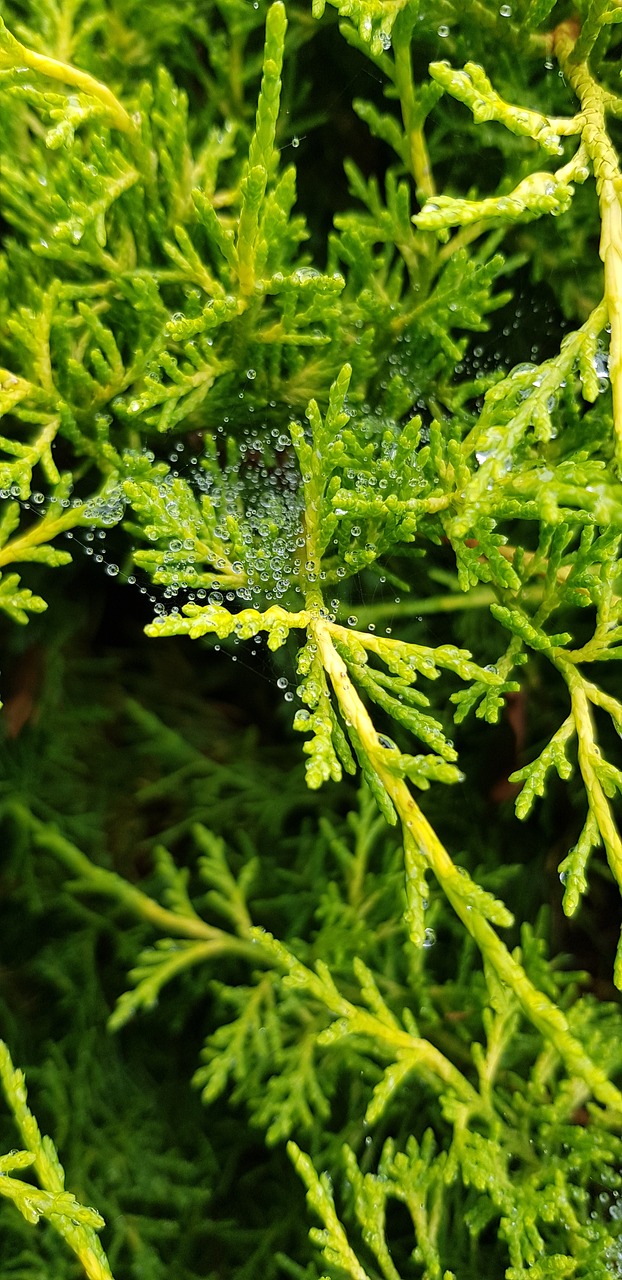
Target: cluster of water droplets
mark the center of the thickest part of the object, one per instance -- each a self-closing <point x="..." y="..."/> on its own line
<point x="610" y="1205"/>
<point x="248" y="476"/>
<point x="106" y="513"/>
<point x="258" y="491"/>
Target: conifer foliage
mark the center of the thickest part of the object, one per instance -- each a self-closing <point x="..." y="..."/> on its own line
<point x="358" y="457"/>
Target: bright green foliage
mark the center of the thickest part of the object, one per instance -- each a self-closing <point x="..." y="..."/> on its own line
<point x="278" y="438"/>
<point x="75" y="1223"/>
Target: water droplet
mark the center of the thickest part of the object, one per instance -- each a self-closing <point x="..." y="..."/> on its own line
<point x="443" y="31"/>
<point x="251" y="374"/>
<point x="429" y="938"/>
<point x="506" y="11"/>
<point x="282" y="683"/>
<point x="295" y="141"/>
<point x="112" y="570"/>
<point x="305" y="273"/>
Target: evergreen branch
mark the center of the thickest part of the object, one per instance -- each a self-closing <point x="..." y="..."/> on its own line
<point x="18" y="601"/>
<point x="370" y="1209"/>
<point x="15" y="54"/>
<point x="75" y="1223"/>
<point x="332" y="1239"/>
<point x="537" y="1007"/>
<point x="42" y="532"/>
<point x="227" y="894"/>
<point x="494" y="446"/>
<point x="598" y="15"/>
<point x="572" y="870"/>
<point x="534" y="775"/>
<point x="97" y="880"/>
<point x="535" y="196"/>
<point x="473" y="87"/>
<point x="158" y="966"/>
<point x="28" y="455"/>
<point x="213" y="619"/>
<point x="261" y="147"/>
<point x="373" y="22"/>
<point x="597" y="782"/>
<point x="383" y="1032"/>
<point x="609" y="187"/>
<point x="415" y="105"/>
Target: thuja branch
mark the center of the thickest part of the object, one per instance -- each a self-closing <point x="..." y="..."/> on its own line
<point x="40" y="533"/>
<point x="413" y="1053"/>
<point x="73" y="1221"/>
<point x="592" y="764"/>
<point x="97" y="880"/>
<point x="538" y="1008"/>
<point x="608" y="177"/>
<point x="417" y="148"/>
<point x="15" y="54"/>
<point x="385" y="1033"/>
<point x="494" y="446"/>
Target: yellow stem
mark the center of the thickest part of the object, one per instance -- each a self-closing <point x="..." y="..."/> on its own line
<point x="16" y="54"/>
<point x="589" y="752"/>
<point x="597" y="143"/>
<point x="537" y="1007"/>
